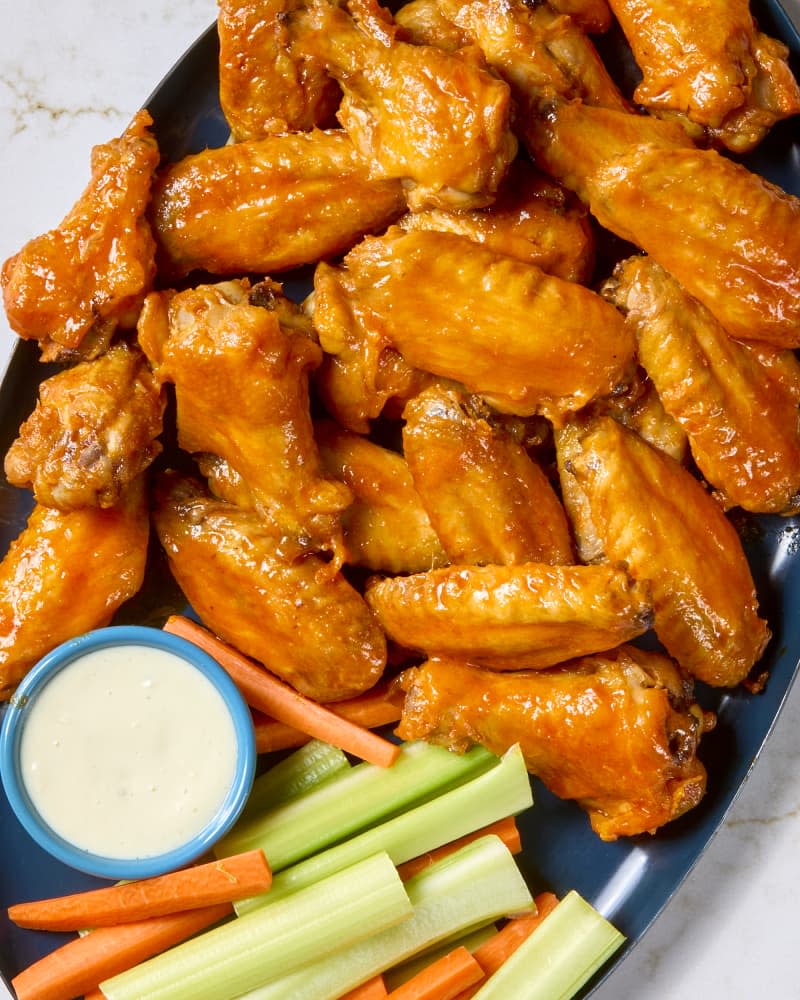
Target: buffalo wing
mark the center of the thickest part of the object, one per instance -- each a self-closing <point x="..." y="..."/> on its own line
<point x="268" y="596"/>
<point x="618" y="732"/>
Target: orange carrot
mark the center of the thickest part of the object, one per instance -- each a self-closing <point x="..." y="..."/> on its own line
<point x="371" y="709"/>
<point x="505" y="829"/>
<point x="372" y="989"/>
<point x="81" y="965"/>
<point x="222" y="881"/>
<point x="443" y="979"/>
<point x="492" y="953"/>
<point x="94" y="995"/>
<point x="264" y="691"/>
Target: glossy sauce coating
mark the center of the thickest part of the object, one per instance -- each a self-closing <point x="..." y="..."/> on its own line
<point x="618" y="732"/>
<point x="67" y="573"/>
<point x="71" y="287"/>
<point x="652" y="513"/>
<point x="268" y="205"/>
<point x="740" y="412"/>
<point x="529" y="342"/>
<point x="270" y="598"/>
<point x="487" y="499"/>
<point x="512" y="617"/>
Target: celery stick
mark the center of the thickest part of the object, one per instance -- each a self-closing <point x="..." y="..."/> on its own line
<point x="558" y="958"/>
<point x="504" y="790"/>
<point x="296" y="774"/>
<point x="240" y="955"/>
<point x="351" y="801"/>
<point x="404" y="971"/>
<point x="470" y="888"/>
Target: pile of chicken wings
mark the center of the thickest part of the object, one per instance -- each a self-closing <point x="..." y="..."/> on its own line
<point x="477" y="459"/>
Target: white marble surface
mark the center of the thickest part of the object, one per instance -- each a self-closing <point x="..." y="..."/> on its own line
<point x="71" y="75"/>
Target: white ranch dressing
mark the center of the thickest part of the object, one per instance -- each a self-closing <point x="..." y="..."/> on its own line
<point x="128" y="751"/>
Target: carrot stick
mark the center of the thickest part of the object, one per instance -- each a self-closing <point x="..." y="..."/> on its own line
<point x="492" y="953"/>
<point x="264" y="691"/>
<point x="81" y="965"/>
<point x="443" y="979"/>
<point x="505" y="829"/>
<point x="371" y="709"/>
<point x="372" y="989"/>
<point x="94" y="995"/>
<point x="222" y="881"/>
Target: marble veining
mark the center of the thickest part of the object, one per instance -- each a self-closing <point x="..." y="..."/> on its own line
<point x="731" y="930"/>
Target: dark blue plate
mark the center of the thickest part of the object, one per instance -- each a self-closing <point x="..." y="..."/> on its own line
<point x="630" y="881"/>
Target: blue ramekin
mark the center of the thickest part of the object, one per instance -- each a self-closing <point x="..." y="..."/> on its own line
<point x="126" y="868"/>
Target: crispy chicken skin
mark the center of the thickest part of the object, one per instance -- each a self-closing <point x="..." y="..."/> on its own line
<point x="741" y="419"/>
<point x="386" y="528"/>
<point x="537" y="51"/>
<point x="618" y="732"/>
<point x="436" y="120"/>
<point x="709" y="61"/>
<point x="71" y="288"/>
<point x="533" y="219"/>
<point x="267" y="596"/>
<point x="652" y="513"/>
<point x="728" y="236"/>
<point x="67" y="573"/>
<point x="487" y="499"/>
<point x="512" y="617"/>
<point x="528" y="341"/>
<point x="95" y="428"/>
<point x="268" y="205"/>
<point x="263" y="87"/>
<point x="240" y="357"/>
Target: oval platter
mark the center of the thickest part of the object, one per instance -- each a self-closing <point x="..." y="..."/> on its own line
<point x="629" y="881"/>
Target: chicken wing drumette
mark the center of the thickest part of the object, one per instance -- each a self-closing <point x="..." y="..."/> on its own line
<point x="710" y="62"/>
<point x="67" y="573"/>
<point x="94" y="430"/>
<point x="239" y="358"/>
<point x="72" y="287"/>
<point x="264" y="87"/>
<point x="437" y="120"/>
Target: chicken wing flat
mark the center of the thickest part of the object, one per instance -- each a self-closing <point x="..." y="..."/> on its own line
<point x="263" y="87"/>
<point x="652" y="513"/>
<point x="533" y="219"/>
<point x="487" y="499"/>
<point x="741" y="420"/>
<point x="618" y="732"/>
<point x="386" y="528"/>
<point x="95" y="428"/>
<point x="512" y="617"/>
<point x="239" y="358"/>
<point x="728" y="236"/>
<point x="268" y="205"/>
<point x="528" y="341"/>
<point x="67" y="573"/>
<point x="71" y="288"/>
<point x="710" y="62"/>
<point x="436" y="120"/>
<point x="272" y="600"/>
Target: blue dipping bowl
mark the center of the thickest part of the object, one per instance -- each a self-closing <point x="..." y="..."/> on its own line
<point x="60" y="659"/>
